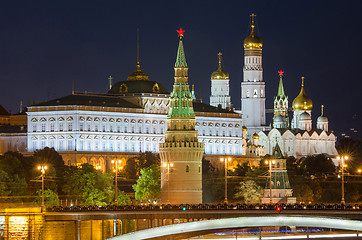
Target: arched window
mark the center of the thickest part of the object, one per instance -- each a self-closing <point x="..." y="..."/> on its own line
<point x="247" y="93"/>
<point x="187" y="168"/>
<point x="255" y="93"/>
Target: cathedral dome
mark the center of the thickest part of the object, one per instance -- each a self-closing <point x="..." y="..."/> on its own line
<point x="253" y="41"/>
<point x="244" y="128"/>
<point x="322" y="119"/>
<point x="220" y="73"/>
<point x="255" y="136"/>
<point x="304" y="116"/>
<point x="279" y="119"/>
<point x="302" y="101"/>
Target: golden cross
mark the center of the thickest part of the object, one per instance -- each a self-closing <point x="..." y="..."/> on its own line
<point x="302" y="81"/>
<point x="252" y="18"/>
<point x="219" y="54"/>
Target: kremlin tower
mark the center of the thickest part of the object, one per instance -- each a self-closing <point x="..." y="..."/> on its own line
<point x="253" y="87"/>
<point x="181" y="153"/>
<point x="220" y="96"/>
<point x="280" y="119"/>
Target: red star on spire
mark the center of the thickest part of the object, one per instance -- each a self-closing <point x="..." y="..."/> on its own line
<point x="180" y="32"/>
<point x="281" y="73"/>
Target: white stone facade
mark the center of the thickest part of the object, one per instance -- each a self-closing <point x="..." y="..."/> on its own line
<point x="69" y="128"/>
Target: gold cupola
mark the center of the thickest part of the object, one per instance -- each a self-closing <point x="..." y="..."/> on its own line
<point x="302" y="101"/>
<point x="138" y="74"/>
<point x="220" y="73"/>
<point x="253" y="41"/>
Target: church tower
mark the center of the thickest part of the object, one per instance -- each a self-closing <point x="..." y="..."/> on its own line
<point x="253" y="87"/>
<point x="181" y="153"/>
<point x="281" y="119"/>
<point x="220" y="89"/>
<point x="302" y="111"/>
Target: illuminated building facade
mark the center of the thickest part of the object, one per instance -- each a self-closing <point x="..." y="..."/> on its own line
<point x="299" y="140"/>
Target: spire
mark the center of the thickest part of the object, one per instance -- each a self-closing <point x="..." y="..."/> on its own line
<point x="252" y="16"/>
<point x="322" y="109"/>
<point x="138" y="74"/>
<point x="281" y="87"/>
<point x="180" y="59"/>
<point x="110" y="82"/>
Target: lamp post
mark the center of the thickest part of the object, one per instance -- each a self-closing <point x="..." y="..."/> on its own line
<point x="168" y="165"/>
<point x="116" y="180"/>
<point x="342" y="158"/>
<point x="225" y="160"/>
<point x="270" y="179"/>
<point x="42" y="168"/>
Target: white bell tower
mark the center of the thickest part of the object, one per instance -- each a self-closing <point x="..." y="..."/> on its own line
<point x="253" y="87"/>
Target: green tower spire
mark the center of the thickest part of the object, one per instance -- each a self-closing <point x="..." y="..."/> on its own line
<point x="181" y="97"/>
<point x="180" y="59"/>
<point x="281" y="88"/>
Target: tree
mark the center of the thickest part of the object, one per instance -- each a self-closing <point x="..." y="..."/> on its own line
<point x="318" y="166"/>
<point x="148" y="186"/>
<point x="89" y="186"/>
<point x="123" y="198"/>
<point x="250" y="191"/>
<point x="50" y="197"/>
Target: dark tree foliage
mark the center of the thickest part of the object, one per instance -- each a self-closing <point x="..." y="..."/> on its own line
<point x="318" y="166"/>
<point x="56" y="168"/>
<point x="212" y="184"/>
<point x="134" y="165"/>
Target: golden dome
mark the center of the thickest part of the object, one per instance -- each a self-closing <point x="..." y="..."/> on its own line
<point x="255" y="136"/>
<point x="220" y="73"/>
<point x="244" y="128"/>
<point x="253" y="41"/>
<point x="137" y="75"/>
<point x="302" y="101"/>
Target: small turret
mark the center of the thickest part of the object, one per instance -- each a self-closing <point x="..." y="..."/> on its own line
<point x="322" y="121"/>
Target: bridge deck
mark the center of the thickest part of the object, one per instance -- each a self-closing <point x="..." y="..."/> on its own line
<point x="193" y="214"/>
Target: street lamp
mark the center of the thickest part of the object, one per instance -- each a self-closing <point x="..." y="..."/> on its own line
<point x="116" y="171"/>
<point x="342" y="158"/>
<point x="270" y="180"/>
<point x="168" y="165"/>
<point x="42" y="168"/>
<point x="225" y="160"/>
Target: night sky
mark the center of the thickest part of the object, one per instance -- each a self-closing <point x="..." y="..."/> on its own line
<point x="45" y="47"/>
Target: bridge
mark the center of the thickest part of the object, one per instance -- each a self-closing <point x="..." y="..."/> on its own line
<point x="184" y="230"/>
<point x="190" y="220"/>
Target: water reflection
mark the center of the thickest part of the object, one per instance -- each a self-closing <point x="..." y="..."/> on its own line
<point x="33" y="227"/>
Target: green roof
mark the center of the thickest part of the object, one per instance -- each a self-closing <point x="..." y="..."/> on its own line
<point x="180" y="59"/>
<point x="282" y="177"/>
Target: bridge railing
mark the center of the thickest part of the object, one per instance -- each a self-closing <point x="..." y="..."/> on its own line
<point x="186" y="207"/>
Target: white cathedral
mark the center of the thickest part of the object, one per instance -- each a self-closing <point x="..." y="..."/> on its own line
<point x="130" y="118"/>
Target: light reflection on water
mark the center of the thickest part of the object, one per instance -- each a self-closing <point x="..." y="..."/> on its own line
<point x="33" y="227"/>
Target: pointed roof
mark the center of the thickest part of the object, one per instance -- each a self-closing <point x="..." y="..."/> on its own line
<point x="281" y="87"/>
<point x="180" y="59"/>
<point x="277" y="153"/>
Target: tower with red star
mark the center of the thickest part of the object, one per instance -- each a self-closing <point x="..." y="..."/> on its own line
<point x="181" y="153"/>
